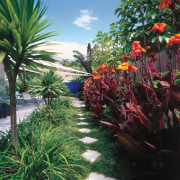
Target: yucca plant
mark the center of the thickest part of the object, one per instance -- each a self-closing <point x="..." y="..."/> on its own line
<point x="21" y="31"/>
<point x="41" y="155"/>
<point x="48" y="85"/>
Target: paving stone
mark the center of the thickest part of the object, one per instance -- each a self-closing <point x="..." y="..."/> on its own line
<point x="81" y="118"/>
<point x="88" y="140"/>
<point x="85" y="130"/>
<point x="81" y="114"/>
<point x="91" y="155"/>
<point x="82" y="123"/>
<point x="96" y="176"/>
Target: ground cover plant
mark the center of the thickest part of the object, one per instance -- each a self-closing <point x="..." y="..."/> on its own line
<point x="144" y="103"/>
<point x="42" y="148"/>
<point x="107" y="164"/>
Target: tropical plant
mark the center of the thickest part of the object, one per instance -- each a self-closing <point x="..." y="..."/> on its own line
<point x="144" y="115"/>
<point x="21" y="31"/>
<point x="49" y="86"/>
<point x="85" y="63"/>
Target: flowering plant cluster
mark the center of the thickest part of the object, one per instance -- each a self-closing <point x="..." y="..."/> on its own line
<point x="144" y="116"/>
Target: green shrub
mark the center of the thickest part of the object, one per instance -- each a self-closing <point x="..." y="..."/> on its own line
<point x="58" y="112"/>
<point x="41" y="155"/>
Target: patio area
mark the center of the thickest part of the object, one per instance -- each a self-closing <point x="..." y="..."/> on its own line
<point x="23" y="110"/>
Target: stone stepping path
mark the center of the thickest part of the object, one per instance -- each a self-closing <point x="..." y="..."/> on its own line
<point x="85" y="130"/>
<point x="96" y="176"/>
<point x="81" y="118"/>
<point x="82" y="123"/>
<point x="88" y="140"/>
<point x="90" y="155"/>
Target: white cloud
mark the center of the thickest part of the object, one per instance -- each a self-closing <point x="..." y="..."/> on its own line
<point x="85" y="20"/>
<point x="64" y="49"/>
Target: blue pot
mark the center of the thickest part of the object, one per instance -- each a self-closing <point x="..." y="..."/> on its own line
<point x="74" y="87"/>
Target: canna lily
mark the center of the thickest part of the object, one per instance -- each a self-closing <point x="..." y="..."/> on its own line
<point x="159" y="27"/>
<point x="152" y="56"/>
<point x="104" y="71"/>
<point x="136" y="49"/>
<point x="94" y="73"/>
<point x="127" y="67"/>
<point x="97" y="77"/>
<point x="174" y="40"/>
<point x="165" y="3"/>
<point x="125" y="58"/>
<point x="148" y="47"/>
<point x="105" y="65"/>
<point x="99" y="68"/>
<point x="89" y="80"/>
<point x="113" y="70"/>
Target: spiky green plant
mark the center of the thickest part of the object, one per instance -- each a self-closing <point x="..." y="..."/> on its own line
<point x="21" y="31"/>
<point x="49" y="85"/>
<point x="41" y="155"/>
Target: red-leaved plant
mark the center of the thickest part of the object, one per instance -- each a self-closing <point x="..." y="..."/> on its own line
<point x="144" y="116"/>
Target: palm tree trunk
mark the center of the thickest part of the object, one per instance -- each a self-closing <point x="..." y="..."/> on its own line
<point x="12" y="90"/>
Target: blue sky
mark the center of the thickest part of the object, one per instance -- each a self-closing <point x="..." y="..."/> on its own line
<point x="78" y="22"/>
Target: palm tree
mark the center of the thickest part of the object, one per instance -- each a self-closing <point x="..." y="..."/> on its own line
<point x="85" y="63"/>
<point x="48" y="85"/>
<point x="21" y="26"/>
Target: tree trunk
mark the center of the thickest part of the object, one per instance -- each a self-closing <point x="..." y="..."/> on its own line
<point x="12" y="90"/>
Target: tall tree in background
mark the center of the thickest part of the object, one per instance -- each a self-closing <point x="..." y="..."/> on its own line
<point x="21" y="26"/>
<point x="83" y="61"/>
<point x="101" y="48"/>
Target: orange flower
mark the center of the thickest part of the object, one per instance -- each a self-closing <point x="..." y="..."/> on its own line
<point x="94" y="73"/>
<point x="164" y="3"/>
<point x="127" y="67"/>
<point x="105" y="65"/>
<point x="135" y="45"/>
<point x="136" y="49"/>
<point x="152" y="54"/>
<point x="148" y="47"/>
<point x="85" y="87"/>
<point x="104" y="71"/>
<point x="97" y="77"/>
<point x="159" y="27"/>
<point x="125" y="58"/>
<point x="90" y="79"/>
<point x="99" y="68"/>
<point x="113" y="70"/>
<point x="174" y="40"/>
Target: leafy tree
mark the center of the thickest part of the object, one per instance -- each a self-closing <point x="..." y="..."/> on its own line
<point x="21" y="25"/>
<point x="106" y="49"/>
<point x="136" y="18"/>
<point x="48" y="85"/>
<point x="101" y="48"/>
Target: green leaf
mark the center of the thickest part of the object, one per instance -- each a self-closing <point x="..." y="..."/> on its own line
<point x="2" y="56"/>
